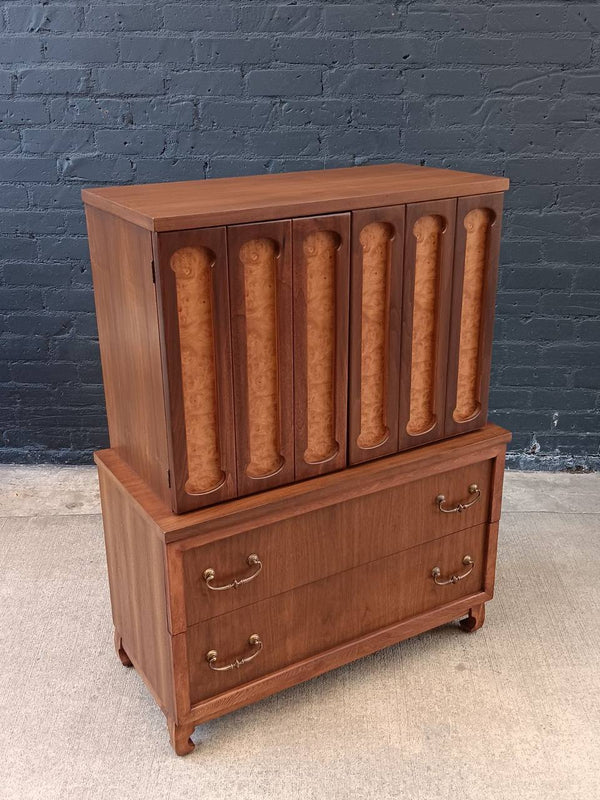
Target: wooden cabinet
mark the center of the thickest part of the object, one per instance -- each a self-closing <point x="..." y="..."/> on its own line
<point x="270" y="347"/>
<point x="345" y="564"/>
<point x="422" y="323"/>
<point x="291" y="344"/>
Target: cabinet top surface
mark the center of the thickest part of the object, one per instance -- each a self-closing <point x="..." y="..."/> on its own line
<point x="219" y="201"/>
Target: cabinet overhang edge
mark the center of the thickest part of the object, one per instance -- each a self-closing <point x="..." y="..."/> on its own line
<point x="234" y="516"/>
<point x="271" y="212"/>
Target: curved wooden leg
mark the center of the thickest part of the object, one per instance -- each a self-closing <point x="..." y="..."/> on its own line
<point x="180" y="737"/>
<point x="475" y="619"/>
<point x="123" y="657"/>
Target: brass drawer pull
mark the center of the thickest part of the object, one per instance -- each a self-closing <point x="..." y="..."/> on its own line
<point x="253" y="641"/>
<point x="473" y="489"/>
<point x="436" y="572"/>
<point x="253" y="561"/>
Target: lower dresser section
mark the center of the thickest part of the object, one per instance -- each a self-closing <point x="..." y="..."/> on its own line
<point x="221" y="607"/>
<point x="317" y="616"/>
<point x="305" y="548"/>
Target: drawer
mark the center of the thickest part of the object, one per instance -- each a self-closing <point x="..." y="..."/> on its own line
<point x="315" y="617"/>
<point x="308" y="547"/>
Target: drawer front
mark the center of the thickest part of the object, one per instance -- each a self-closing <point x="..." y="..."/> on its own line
<point x="306" y="548"/>
<point x="313" y="618"/>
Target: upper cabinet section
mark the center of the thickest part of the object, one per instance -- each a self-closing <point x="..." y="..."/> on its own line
<point x="275" y="328"/>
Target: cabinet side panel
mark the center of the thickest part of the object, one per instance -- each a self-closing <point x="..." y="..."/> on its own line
<point x="136" y="571"/>
<point x="121" y="257"/>
<point x="478" y="223"/>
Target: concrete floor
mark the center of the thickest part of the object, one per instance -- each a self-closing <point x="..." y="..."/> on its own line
<point x="512" y="711"/>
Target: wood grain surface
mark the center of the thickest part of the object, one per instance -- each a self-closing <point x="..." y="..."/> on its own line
<point x="476" y="254"/>
<point x="194" y="204"/>
<point x="126" y="313"/>
<point x="321" y="249"/>
<point x="218" y="522"/>
<point x="198" y="376"/>
<point x="138" y="589"/>
<point x="193" y="268"/>
<point x="336" y="656"/>
<point x="260" y="280"/>
<point x="375" y="317"/>
<point x="428" y="259"/>
<point x="307" y="548"/>
<point x="316" y="617"/>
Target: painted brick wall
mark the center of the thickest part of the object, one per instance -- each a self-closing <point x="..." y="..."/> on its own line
<point x="102" y="92"/>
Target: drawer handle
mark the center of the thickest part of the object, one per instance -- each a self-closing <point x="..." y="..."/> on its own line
<point x="253" y="641"/>
<point x="253" y="561"/>
<point x="436" y="572"/>
<point x="473" y="489"/>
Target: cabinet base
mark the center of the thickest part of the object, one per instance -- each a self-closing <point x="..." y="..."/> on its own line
<point x="180" y="736"/>
<point x="475" y="619"/>
<point x="120" y="650"/>
<point x="158" y="588"/>
<point x="323" y="662"/>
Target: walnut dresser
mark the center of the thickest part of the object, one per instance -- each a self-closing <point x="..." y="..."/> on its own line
<point x="300" y="469"/>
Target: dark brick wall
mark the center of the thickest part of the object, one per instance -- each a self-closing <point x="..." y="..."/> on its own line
<point x="100" y="92"/>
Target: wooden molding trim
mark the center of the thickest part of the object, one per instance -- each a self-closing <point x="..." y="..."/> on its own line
<point x="237" y="515"/>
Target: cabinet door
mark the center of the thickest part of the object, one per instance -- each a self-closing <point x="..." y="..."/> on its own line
<point x="477" y="245"/>
<point x="194" y="303"/>
<point x="429" y="246"/>
<point x="260" y="281"/>
<point x="321" y="294"/>
<point x="375" y="314"/>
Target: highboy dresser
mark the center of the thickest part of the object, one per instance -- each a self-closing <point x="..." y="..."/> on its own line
<point x="300" y="470"/>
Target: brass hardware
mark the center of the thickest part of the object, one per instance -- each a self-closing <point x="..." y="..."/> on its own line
<point x="253" y="641"/>
<point x="253" y="561"/>
<point x="436" y="572"/>
<point x="473" y="489"/>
